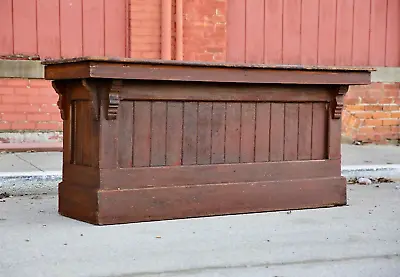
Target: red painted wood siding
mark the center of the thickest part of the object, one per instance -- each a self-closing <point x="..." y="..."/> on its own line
<point x="63" y="28"/>
<point x="323" y="32"/>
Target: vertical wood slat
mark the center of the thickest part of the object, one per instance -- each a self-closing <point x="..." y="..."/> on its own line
<point x="393" y="34"/>
<point x="189" y="133"/>
<point x="377" y="39"/>
<point x="263" y="125"/>
<point x="86" y="134"/>
<point x="247" y="132"/>
<point x="71" y="28"/>
<point x="344" y="32"/>
<point x="158" y="133"/>
<point x="93" y="34"/>
<point x="291" y="31"/>
<point x="361" y="19"/>
<point x="25" y="28"/>
<point x="6" y="23"/>
<point x="334" y="144"/>
<point x="174" y="133"/>
<point x="291" y="131"/>
<point x="218" y="133"/>
<point x="204" y="136"/>
<point x="319" y="131"/>
<point x="305" y="128"/>
<point x="142" y="134"/>
<point x="326" y="34"/>
<point x="254" y="31"/>
<point x="236" y="38"/>
<point x="309" y="32"/>
<point x="114" y="28"/>
<point x="125" y="134"/>
<point x="232" y="133"/>
<point x="48" y="28"/>
<point x="277" y="135"/>
<point x="78" y="143"/>
<point x="273" y="32"/>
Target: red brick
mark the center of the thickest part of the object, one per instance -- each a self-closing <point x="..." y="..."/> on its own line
<point x="39" y="117"/>
<point x="6" y="91"/>
<point x="386" y="100"/>
<point x="6" y="99"/>
<point x="390" y="107"/>
<point x="394" y="114"/>
<point x="373" y="122"/>
<point x="49" y="108"/>
<point x="48" y="126"/>
<point x="27" y="91"/>
<point x="364" y="114"/>
<point x="373" y="107"/>
<point x="380" y="115"/>
<point x="354" y="108"/>
<point x="47" y="91"/>
<point x="6" y="108"/>
<point x="18" y="82"/>
<point x="23" y="126"/>
<point x="13" y="117"/>
<point x="382" y="129"/>
<point x="366" y="130"/>
<point x="38" y="83"/>
<point x="391" y="122"/>
<point x="5" y="126"/>
<point x="28" y="108"/>
<point x="56" y="117"/>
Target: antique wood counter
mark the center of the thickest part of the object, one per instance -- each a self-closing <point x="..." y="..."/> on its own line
<point x="155" y="140"/>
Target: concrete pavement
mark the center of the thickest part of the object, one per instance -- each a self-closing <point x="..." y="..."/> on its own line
<point x="361" y="239"/>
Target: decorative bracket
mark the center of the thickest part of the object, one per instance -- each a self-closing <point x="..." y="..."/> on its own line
<point x="62" y="104"/>
<point x="338" y="102"/>
<point x="113" y="99"/>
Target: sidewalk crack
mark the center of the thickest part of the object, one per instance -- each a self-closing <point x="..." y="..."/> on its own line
<point x="29" y="163"/>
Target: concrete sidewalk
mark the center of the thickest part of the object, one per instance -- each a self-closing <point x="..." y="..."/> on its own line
<point x="27" y="173"/>
<point x="358" y="240"/>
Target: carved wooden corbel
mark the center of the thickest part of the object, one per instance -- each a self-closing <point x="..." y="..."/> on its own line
<point x="338" y="102"/>
<point x="62" y="102"/>
<point x="92" y="90"/>
<point x="113" y="99"/>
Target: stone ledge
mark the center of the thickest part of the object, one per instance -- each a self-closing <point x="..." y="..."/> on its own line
<point x="29" y="69"/>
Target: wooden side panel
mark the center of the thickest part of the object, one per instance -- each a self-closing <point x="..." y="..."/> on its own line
<point x="291" y="131"/>
<point x="277" y="133"/>
<point x="393" y="34"/>
<point x="158" y="133"/>
<point x="232" y="141"/>
<point x="344" y="32"/>
<point x="236" y="37"/>
<point x="6" y="23"/>
<point x="319" y="131"/>
<point x="263" y="127"/>
<point x="115" y="28"/>
<point x="305" y="130"/>
<point x="93" y="34"/>
<point x="309" y="32"/>
<point x="189" y="133"/>
<point x="247" y="132"/>
<point x="377" y="37"/>
<point x="174" y="133"/>
<point x="71" y="28"/>
<point x="291" y="31"/>
<point x="218" y="133"/>
<point x="25" y="28"/>
<point x="48" y="28"/>
<point x="142" y="134"/>
<point x="125" y="134"/>
<point x="204" y="133"/>
<point x="361" y="20"/>
<point x="254" y="31"/>
<point x="273" y="32"/>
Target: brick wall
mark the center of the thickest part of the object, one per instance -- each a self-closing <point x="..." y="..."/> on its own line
<point x="372" y="113"/>
<point x="28" y="104"/>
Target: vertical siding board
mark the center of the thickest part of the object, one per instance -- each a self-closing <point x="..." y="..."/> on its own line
<point x="377" y="40"/>
<point x="309" y="32"/>
<point x="277" y="134"/>
<point x="291" y="131"/>
<point x="174" y="133"/>
<point x="142" y="133"/>
<point x="232" y="133"/>
<point x="6" y="23"/>
<point x="305" y="127"/>
<point x="189" y="133"/>
<point x="204" y="137"/>
<point x="48" y="22"/>
<point x="93" y="27"/>
<point x="218" y="133"/>
<point x="254" y="31"/>
<point x="25" y="29"/>
<point x="125" y="134"/>
<point x="115" y="28"/>
<point x="393" y="34"/>
<point x="158" y="133"/>
<point x="236" y="36"/>
<point x="263" y="120"/>
<point x="247" y="132"/>
<point x="291" y="31"/>
<point x="326" y="32"/>
<point x="344" y="32"/>
<point x="273" y="29"/>
<point x="360" y="51"/>
<point x="319" y="131"/>
<point x="71" y="28"/>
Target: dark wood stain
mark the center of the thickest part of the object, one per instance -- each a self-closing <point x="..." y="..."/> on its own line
<point x="204" y="133"/>
<point x="158" y="133"/>
<point x="305" y="128"/>
<point x="142" y="134"/>
<point x="218" y="133"/>
<point x="190" y="133"/>
<point x="319" y="131"/>
<point x="232" y="133"/>
<point x="291" y="131"/>
<point x="125" y="134"/>
<point x="247" y="132"/>
<point x="277" y="139"/>
<point x="263" y="126"/>
<point x="174" y="133"/>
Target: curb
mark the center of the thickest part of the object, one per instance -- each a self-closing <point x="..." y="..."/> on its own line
<point x="40" y="182"/>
